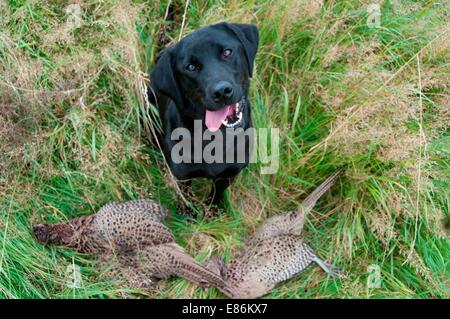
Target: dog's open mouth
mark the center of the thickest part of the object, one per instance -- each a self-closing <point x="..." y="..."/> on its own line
<point x="230" y="116"/>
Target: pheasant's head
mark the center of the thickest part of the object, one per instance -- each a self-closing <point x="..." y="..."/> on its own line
<point x="61" y="234"/>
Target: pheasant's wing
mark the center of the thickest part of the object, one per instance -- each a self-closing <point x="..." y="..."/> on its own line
<point x="140" y="209"/>
<point x="292" y="255"/>
<point x="299" y="257"/>
<point x="132" y="224"/>
<point x="276" y="259"/>
<point x="169" y="259"/>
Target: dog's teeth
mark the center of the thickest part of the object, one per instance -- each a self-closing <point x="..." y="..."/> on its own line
<point x="238" y="114"/>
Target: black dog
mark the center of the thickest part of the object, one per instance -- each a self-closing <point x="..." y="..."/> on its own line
<point x="206" y="77"/>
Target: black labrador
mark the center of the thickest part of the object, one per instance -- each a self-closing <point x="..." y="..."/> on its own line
<point x="200" y="85"/>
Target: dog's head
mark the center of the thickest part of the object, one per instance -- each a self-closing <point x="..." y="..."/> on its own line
<point x="207" y="73"/>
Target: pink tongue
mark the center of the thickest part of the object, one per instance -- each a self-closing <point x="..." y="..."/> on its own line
<point x="213" y="119"/>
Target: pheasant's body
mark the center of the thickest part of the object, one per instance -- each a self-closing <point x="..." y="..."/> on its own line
<point x="275" y="252"/>
<point x="263" y="265"/>
<point x="127" y="226"/>
<point x="131" y="237"/>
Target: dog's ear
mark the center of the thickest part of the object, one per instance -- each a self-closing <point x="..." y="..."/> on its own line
<point x="248" y="35"/>
<point x="163" y="79"/>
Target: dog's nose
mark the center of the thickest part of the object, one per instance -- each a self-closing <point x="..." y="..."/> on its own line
<point x="222" y="92"/>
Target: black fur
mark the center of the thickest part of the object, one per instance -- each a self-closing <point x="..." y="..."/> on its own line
<point x="183" y="96"/>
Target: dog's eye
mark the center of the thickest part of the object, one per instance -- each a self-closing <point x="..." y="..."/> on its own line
<point x="191" y="67"/>
<point x="226" y="53"/>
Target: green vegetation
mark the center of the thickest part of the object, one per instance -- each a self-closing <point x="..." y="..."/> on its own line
<point x="375" y="99"/>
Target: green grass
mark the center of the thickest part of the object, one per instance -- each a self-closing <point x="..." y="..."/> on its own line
<point x="342" y="93"/>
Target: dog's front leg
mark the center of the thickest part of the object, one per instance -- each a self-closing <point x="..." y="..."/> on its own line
<point x="218" y="191"/>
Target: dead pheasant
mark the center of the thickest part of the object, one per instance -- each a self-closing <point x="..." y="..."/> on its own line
<point x="274" y="253"/>
<point x="131" y="238"/>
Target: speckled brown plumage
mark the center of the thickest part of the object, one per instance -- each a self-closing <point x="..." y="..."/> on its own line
<point x="274" y="253"/>
<point x="133" y="237"/>
<point x="132" y="241"/>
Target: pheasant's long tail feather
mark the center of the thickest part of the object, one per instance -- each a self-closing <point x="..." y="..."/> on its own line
<point x="311" y="200"/>
<point x="189" y="268"/>
<point x="297" y="218"/>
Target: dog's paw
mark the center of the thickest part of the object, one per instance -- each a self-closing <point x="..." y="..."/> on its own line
<point x="186" y="210"/>
<point x="212" y="211"/>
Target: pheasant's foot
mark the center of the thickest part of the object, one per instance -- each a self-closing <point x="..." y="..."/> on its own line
<point x="330" y="269"/>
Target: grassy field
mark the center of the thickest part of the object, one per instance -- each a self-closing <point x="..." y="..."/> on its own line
<point x="342" y="92"/>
